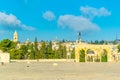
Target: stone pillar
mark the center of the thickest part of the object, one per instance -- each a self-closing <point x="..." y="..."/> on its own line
<point x="100" y="59"/>
<point x="85" y="57"/>
<point x="109" y="55"/>
<point x="118" y="57"/>
<point x="93" y="58"/>
<point x="77" y="55"/>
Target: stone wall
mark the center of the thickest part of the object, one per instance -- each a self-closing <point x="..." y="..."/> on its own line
<point x="5" y="57"/>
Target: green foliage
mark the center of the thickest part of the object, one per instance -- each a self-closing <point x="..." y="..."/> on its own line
<point x="62" y="51"/>
<point x="82" y="55"/>
<point x="90" y="59"/>
<point x="15" y="54"/>
<point x="99" y="42"/>
<point x="43" y="50"/>
<point x="96" y="42"/>
<point x="46" y="51"/>
<point x="6" y="45"/>
<point x="55" y="54"/>
<point x="24" y="50"/>
<point x="32" y="52"/>
<point x="36" y="49"/>
<point x="49" y="52"/>
<point x="118" y="48"/>
<point x="104" y="56"/>
<point x="73" y="53"/>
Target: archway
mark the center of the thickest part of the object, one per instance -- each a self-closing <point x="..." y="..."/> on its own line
<point x="90" y="55"/>
<point x="97" y="50"/>
<point x="82" y="56"/>
<point x="104" y="56"/>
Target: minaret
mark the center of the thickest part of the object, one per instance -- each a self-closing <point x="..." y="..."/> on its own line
<point x="79" y="37"/>
<point x="15" y="37"/>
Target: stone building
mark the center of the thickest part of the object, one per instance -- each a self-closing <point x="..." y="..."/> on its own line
<point x="4" y="57"/>
<point x="92" y="50"/>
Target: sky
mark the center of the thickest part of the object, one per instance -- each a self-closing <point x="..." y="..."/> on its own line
<point x="62" y="19"/>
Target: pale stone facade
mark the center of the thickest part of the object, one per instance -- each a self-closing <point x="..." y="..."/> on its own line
<point x="112" y="54"/>
<point x="4" y="57"/>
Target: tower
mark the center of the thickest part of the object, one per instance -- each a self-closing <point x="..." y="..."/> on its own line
<point x="79" y="37"/>
<point x="15" y="37"/>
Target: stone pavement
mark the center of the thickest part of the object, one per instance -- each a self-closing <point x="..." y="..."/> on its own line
<point x="59" y="71"/>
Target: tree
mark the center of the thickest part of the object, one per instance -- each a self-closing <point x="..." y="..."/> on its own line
<point x="63" y="41"/>
<point x="82" y="55"/>
<point x="91" y="42"/>
<point x="64" y="52"/>
<point x="102" y="42"/>
<point x="24" y="50"/>
<point x="49" y="51"/>
<point x="118" y="48"/>
<point x="73" y="53"/>
<point x="42" y="50"/>
<point x="32" y="52"/>
<point x="61" y="51"/>
<point x="15" y="54"/>
<point x="36" y="49"/>
<point x="96" y="42"/>
<point x="6" y="45"/>
<point x="55" y="54"/>
<point x="104" y="56"/>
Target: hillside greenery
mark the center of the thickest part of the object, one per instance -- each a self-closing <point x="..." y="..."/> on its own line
<point x="33" y="50"/>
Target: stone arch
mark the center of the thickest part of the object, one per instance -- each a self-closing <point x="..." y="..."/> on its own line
<point x="115" y="54"/>
<point x="90" y="55"/>
<point x="96" y="48"/>
<point x="82" y="55"/>
<point x="104" y="57"/>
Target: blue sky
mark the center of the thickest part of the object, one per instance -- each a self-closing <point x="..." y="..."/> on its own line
<point x="48" y="19"/>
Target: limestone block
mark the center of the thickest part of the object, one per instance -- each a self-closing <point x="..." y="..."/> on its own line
<point x="5" y="57"/>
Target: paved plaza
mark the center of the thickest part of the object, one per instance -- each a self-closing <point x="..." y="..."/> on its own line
<point x="59" y="71"/>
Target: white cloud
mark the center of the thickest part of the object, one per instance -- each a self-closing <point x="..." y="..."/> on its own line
<point x="92" y="12"/>
<point x="48" y="15"/>
<point x="78" y="23"/>
<point x="10" y="21"/>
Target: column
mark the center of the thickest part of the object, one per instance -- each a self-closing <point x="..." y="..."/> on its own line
<point x="85" y="57"/>
<point x="109" y="55"/>
<point x="93" y="58"/>
<point x="76" y="55"/>
<point x="100" y="59"/>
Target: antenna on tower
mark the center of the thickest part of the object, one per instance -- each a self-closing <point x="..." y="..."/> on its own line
<point x="116" y="36"/>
